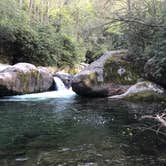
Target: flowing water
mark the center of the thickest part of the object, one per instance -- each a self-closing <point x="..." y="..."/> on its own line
<point x="60" y="128"/>
<point x="59" y="84"/>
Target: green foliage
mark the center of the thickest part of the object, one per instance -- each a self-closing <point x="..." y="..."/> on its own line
<point x="57" y="32"/>
<point x="43" y="46"/>
<point x="24" y="41"/>
<point x="145" y="28"/>
<point x="64" y="32"/>
<point x="95" y="52"/>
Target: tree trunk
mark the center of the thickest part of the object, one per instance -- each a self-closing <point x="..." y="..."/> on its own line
<point x="30" y="5"/>
<point x="129" y="26"/>
<point x="46" y="20"/>
<point x="20" y="4"/>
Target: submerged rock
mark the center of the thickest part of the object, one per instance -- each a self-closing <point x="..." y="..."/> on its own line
<point x="110" y="75"/>
<point x="24" y="78"/>
<point x="142" y="91"/>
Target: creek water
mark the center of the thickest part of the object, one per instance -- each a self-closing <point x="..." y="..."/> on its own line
<point x="59" y="84"/>
<point x="60" y="128"/>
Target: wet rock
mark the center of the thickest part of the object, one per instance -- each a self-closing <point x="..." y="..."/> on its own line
<point x="24" y="78"/>
<point x="143" y="91"/>
<point x="66" y="78"/>
<point x="110" y="75"/>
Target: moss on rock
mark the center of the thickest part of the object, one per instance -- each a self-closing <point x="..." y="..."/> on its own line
<point x="109" y="75"/>
<point x="145" y="96"/>
<point x="143" y="91"/>
<point x="119" y="71"/>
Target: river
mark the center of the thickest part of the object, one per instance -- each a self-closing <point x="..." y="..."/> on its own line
<point x="60" y="128"/>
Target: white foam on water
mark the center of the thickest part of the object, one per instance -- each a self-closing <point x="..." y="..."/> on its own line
<point x="59" y="84"/>
<point x="41" y="96"/>
<point x="62" y="92"/>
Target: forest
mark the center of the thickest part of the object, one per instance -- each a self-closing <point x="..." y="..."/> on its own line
<point x="67" y="32"/>
<point x="108" y="107"/>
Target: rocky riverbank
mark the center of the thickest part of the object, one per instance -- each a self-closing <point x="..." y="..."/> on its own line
<point x="114" y="75"/>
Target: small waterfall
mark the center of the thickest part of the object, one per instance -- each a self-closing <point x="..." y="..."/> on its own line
<point x="61" y="92"/>
<point x="59" y="85"/>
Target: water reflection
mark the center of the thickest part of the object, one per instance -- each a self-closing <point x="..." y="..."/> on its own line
<point x="72" y="131"/>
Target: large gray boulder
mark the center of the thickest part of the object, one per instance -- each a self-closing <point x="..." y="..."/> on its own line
<point x="110" y="75"/>
<point x="24" y="78"/>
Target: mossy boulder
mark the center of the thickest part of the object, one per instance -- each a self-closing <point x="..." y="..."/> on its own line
<point x="143" y="91"/>
<point x="24" y="78"/>
<point x="119" y="71"/>
<point x="110" y="75"/>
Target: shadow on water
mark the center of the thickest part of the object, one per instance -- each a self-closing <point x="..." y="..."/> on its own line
<point x="74" y="131"/>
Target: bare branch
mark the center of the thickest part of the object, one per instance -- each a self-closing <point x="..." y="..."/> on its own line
<point x="133" y="20"/>
<point x="158" y="118"/>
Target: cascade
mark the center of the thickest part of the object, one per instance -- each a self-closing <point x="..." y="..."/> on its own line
<point x="59" y="85"/>
<point x="61" y="92"/>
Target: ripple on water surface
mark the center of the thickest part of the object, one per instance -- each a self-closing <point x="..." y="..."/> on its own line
<point x="58" y="130"/>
